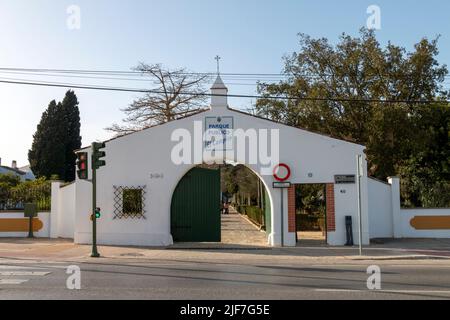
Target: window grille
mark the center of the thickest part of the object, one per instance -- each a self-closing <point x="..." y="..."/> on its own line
<point x="129" y="202"/>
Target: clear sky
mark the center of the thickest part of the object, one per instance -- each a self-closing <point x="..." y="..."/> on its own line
<point x="251" y="36"/>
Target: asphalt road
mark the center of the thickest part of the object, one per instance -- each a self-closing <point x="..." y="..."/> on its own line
<point x="159" y="279"/>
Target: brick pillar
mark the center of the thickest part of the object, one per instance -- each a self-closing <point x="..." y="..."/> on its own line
<point x="291" y="209"/>
<point x="331" y="221"/>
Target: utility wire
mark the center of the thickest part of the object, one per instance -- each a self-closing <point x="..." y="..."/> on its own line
<point x="141" y="77"/>
<point x="253" y="82"/>
<point x="121" y="72"/>
<point x="136" y="90"/>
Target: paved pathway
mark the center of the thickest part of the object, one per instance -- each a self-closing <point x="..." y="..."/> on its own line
<point x="238" y="230"/>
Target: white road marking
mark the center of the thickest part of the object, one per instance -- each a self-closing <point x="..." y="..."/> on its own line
<point x="383" y="291"/>
<point x="23" y="273"/>
<point x="15" y="268"/>
<point x="362" y="266"/>
<point x="12" y="281"/>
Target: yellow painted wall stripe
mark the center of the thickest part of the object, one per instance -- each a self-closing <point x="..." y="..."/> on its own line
<point x="19" y="225"/>
<point x="431" y="222"/>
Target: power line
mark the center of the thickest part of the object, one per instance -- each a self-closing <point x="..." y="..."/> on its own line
<point x="33" y="74"/>
<point x="252" y="81"/>
<point x="136" y="90"/>
<point x="142" y="73"/>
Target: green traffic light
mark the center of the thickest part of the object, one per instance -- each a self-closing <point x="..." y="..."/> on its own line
<point x="98" y="213"/>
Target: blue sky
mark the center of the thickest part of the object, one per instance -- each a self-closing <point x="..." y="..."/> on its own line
<point x="251" y="37"/>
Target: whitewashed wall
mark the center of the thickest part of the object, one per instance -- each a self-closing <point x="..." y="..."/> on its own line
<point x="409" y="232"/>
<point x="66" y="212"/>
<point x="380" y="209"/>
<point x="63" y="210"/>
<point x="389" y="220"/>
<point x="43" y="233"/>
<point x="132" y="159"/>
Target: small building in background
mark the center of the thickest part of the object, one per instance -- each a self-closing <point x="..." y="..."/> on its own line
<point x="24" y="172"/>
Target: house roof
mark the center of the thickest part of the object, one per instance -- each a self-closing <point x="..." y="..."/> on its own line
<point x="16" y="171"/>
<point x="149" y="127"/>
<point x="218" y="84"/>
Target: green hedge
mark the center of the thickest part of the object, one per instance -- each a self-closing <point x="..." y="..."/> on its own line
<point x="310" y="222"/>
<point x="253" y="213"/>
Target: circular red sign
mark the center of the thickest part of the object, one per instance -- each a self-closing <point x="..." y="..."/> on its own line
<point x="275" y="172"/>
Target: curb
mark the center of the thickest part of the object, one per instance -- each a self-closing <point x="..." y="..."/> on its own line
<point x="405" y="257"/>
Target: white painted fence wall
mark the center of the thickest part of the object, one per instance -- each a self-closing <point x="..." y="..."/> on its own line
<point x="58" y="223"/>
<point x="43" y="233"/>
<point x="409" y="232"/>
<point x="388" y="220"/>
<point x="63" y="211"/>
<point x="380" y="209"/>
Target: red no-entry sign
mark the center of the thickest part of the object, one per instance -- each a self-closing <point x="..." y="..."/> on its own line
<point x="285" y="173"/>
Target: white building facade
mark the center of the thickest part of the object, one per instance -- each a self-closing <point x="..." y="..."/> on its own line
<point x="149" y="160"/>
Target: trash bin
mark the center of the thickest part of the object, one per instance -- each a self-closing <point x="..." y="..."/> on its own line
<point x="349" y="230"/>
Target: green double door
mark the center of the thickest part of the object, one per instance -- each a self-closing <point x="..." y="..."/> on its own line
<point x="195" y="209"/>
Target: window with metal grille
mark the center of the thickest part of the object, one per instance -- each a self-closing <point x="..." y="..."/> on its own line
<point x="129" y="202"/>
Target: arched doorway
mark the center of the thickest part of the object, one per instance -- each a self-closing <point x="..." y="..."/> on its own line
<point x="197" y="207"/>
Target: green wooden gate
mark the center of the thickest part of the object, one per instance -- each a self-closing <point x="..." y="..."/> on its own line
<point x="195" y="209"/>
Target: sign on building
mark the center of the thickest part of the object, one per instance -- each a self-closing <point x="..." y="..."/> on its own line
<point x="345" y="179"/>
<point x="219" y="133"/>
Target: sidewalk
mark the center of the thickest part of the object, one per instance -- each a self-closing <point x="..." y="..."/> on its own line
<point x="64" y="250"/>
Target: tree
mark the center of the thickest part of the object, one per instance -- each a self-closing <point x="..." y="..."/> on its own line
<point x="73" y="138"/>
<point x="241" y="181"/>
<point x="335" y="89"/>
<point x="425" y="175"/>
<point x="56" y="137"/>
<point x="176" y="94"/>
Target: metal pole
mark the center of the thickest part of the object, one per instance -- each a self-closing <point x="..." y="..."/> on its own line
<point x="282" y="217"/>
<point x="94" y="253"/>
<point x="358" y="184"/>
<point x="30" y="227"/>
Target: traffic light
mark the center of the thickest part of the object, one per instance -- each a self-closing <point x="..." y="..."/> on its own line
<point x="82" y="164"/>
<point x="97" y="155"/>
<point x="98" y="213"/>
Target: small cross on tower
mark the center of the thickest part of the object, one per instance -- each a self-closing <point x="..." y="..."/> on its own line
<point x="217" y="58"/>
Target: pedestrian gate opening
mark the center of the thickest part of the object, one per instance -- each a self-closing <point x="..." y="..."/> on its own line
<point x="221" y="203"/>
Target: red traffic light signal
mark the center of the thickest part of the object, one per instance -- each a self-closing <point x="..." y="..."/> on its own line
<point x="82" y="164"/>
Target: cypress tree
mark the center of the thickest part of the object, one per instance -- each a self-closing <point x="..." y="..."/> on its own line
<point x="56" y="137"/>
<point x="73" y="138"/>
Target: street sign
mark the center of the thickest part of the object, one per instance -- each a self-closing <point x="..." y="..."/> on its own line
<point x="278" y="173"/>
<point x="345" y="179"/>
<point x="30" y="210"/>
<point x="282" y="185"/>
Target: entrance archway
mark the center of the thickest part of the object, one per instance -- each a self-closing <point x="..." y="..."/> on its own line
<point x="198" y="201"/>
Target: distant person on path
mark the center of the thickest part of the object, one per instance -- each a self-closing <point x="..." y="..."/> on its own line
<point x="226" y="208"/>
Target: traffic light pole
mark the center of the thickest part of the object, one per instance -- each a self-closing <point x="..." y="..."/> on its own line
<point x="94" y="253"/>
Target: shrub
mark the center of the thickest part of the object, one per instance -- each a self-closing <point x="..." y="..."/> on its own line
<point x="254" y="213"/>
<point x="15" y="197"/>
<point x="310" y="222"/>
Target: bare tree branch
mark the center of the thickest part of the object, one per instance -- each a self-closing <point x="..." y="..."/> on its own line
<point x="182" y="94"/>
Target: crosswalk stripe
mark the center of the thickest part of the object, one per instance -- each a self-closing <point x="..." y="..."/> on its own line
<point x="12" y="281"/>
